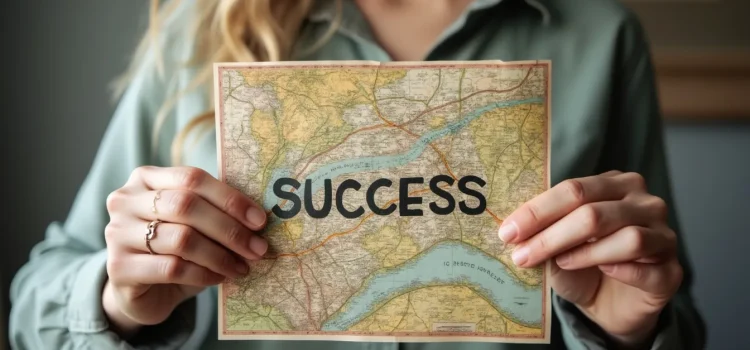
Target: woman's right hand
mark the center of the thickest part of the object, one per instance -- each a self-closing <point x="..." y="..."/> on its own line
<point x="205" y="236"/>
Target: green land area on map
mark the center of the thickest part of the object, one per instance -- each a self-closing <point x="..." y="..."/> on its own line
<point x="385" y="185"/>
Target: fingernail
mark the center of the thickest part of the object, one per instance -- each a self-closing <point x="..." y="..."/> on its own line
<point x="241" y="268"/>
<point x="508" y="231"/>
<point x="256" y="216"/>
<point x="607" y="268"/>
<point x="520" y="256"/>
<point x="258" y="245"/>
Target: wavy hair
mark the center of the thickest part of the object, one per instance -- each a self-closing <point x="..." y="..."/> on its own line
<point x="224" y="31"/>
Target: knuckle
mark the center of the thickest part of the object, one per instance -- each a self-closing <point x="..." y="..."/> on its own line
<point x="136" y="174"/>
<point x="110" y="233"/>
<point x="638" y="181"/>
<point x="190" y="178"/>
<point x="533" y="212"/>
<point x="542" y="245"/>
<point x="115" y="200"/>
<point x="227" y="261"/>
<point x="591" y="218"/>
<point x="139" y="173"/>
<point x="678" y="273"/>
<point x="575" y="190"/>
<point x="236" y="235"/>
<point x="233" y="203"/>
<point x="182" y="239"/>
<point x="672" y="241"/>
<point x="636" y="239"/>
<point x="172" y="268"/>
<point x="659" y="207"/>
<point x="183" y="202"/>
<point x="115" y="263"/>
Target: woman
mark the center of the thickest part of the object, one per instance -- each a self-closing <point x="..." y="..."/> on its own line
<point x="93" y="284"/>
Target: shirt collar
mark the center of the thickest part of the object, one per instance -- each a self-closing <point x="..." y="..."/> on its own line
<point x="325" y="10"/>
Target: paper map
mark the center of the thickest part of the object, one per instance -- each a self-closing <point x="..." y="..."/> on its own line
<point x="385" y="185"/>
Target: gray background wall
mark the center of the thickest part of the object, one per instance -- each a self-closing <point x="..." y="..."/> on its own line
<point x="54" y="91"/>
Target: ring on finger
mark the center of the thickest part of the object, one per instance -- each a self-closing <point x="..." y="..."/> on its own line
<point x="157" y="196"/>
<point x="150" y="234"/>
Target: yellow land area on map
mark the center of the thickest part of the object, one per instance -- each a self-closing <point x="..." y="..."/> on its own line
<point x="385" y="185"/>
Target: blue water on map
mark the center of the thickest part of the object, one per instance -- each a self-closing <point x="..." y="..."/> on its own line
<point x="354" y="165"/>
<point x="466" y="265"/>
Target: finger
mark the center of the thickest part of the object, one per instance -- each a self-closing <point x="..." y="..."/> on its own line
<point x="628" y="244"/>
<point x="133" y="269"/>
<point x="550" y="206"/>
<point x="659" y="279"/>
<point x="219" y="194"/>
<point x="611" y="173"/>
<point x="187" y="208"/>
<point x="185" y="242"/>
<point x="584" y="224"/>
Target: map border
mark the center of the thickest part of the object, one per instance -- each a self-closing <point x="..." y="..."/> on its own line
<point x="361" y="336"/>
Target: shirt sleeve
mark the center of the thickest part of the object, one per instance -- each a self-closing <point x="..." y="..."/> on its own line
<point x="635" y="142"/>
<point x="56" y="295"/>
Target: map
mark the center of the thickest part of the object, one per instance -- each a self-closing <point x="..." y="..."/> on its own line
<point x="385" y="186"/>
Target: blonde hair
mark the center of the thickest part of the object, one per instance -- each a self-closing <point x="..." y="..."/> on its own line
<point x="224" y="31"/>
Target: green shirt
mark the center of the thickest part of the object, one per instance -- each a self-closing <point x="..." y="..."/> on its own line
<point x="605" y="115"/>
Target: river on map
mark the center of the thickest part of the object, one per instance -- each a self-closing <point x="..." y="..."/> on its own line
<point x="484" y="274"/>
<point x="348" y="166"/>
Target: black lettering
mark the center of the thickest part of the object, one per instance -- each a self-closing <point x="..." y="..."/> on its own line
<point x="443" y="194"/>
<point x="405" y="200"/>
<point x="279" y="192"/>
<point x="322" y="212"/>
<point x="353" y="184"/>
<point x="371" y="197"/>
<point x="482" y="201"/>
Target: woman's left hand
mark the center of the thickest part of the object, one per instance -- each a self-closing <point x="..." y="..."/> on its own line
<point x="614" y="255"/>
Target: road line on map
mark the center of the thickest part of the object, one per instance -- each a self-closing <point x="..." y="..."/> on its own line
<point x="528" y="73"/>
<point x="301" y="305"/>
<point x="440" y="154"/>
<point x="320" y="286"/>
<point x="307" y="286"/>
<point x="402" y="128"/>
<point x="408" y="302"/>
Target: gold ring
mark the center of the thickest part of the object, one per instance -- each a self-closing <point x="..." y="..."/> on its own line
<point x="157" y="196"/>
<point x="150" y="234"/>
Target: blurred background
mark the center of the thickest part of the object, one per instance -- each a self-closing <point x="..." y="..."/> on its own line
<point x="60" y="56"/>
